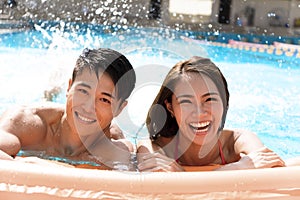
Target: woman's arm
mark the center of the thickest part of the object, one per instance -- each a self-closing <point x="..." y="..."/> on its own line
<point x="295" y="161"/>
<point x="253" y="153"/>
<point x="152" y="158"/>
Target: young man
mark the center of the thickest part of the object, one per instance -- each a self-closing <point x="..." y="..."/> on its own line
<point x="102" y="80"/>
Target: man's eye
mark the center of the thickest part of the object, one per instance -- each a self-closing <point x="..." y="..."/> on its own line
<point x="83" y="91"/>
<point x="105" y="100"/>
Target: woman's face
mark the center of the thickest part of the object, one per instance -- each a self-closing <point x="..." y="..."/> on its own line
<point x="198" y="108"/>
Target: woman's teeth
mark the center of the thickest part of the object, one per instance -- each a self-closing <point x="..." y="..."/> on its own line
<point x="200" y="126"/>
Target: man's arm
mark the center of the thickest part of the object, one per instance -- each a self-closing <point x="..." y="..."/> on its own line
<point x="20" y="127"/>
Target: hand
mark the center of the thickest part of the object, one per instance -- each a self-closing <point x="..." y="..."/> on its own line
<point x="156" y="162"/>
<point x="262" y="158"/>
<point x="115" y="132"/>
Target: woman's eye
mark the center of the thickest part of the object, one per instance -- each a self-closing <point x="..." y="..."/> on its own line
<point x="211" y="99"/>
<point x="184" y="101"/>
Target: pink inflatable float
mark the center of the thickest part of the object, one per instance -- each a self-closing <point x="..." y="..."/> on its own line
<point x="35" y="182"/>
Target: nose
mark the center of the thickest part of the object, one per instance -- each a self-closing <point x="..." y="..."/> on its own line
<point x="89" y="105"/>
<point x="200" y="110"/>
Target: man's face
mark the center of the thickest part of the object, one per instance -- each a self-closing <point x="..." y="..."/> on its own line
<point x="92" y="103"/>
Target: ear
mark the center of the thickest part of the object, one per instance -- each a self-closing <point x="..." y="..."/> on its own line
<point x="70" y="84"/>
<point x="169" y="107"/>
<point x="121" y="107"/>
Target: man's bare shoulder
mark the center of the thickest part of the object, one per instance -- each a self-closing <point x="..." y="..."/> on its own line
<point x="43" y="110"/>
<point x="49" y="109"/>
<point x="47" y="106"/>
<point x="30" y="123"/>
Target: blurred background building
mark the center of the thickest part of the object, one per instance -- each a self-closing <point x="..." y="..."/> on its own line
<point x="275" y="16"/>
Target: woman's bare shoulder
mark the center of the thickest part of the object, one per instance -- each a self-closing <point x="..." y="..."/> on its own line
<point x="227" y="133"/>
<point x="236" y="132"/>
<point x="243" y="140"/>
<point x="231" y="136"/>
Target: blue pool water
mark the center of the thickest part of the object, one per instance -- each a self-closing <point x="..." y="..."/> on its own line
<point x="264" y="88"/>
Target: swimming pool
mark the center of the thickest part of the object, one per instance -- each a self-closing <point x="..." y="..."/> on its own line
<point x="264" y="88"/>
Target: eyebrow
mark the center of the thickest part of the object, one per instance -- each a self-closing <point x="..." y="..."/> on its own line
<point x="104" y="93"/>
<point x="107" y="94"/>
<point x="85" y="85"/>
<point x="205" y="95"/>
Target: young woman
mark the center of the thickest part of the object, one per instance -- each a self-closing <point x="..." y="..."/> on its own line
<point x="186" y="121"/>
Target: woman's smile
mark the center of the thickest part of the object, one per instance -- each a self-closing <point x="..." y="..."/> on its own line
<point x="200" y="127"/>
